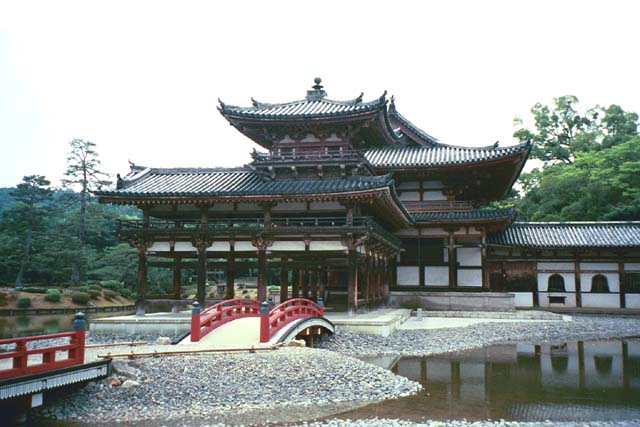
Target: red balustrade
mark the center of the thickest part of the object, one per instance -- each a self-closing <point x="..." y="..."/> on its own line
<point x="20" y="354"/>
<point x="285" y="313"/>
<point x="217" y="315"/>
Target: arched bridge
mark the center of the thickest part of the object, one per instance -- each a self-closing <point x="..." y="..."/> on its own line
<point x="243" y="322"/>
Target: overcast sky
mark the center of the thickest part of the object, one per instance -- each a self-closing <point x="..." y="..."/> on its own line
<point x="142" y="79"/>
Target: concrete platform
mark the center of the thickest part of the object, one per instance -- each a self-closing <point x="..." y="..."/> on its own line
<point x="467" y="301"/>
<point x="498" y="315"/>
<point x="378" y="322"/>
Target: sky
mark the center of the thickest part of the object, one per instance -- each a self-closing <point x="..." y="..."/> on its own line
<point x="141" y="79"/>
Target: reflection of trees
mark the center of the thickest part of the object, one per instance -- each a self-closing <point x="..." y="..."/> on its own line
<point x="603" y="364"/>
<point x="559" y="364"/>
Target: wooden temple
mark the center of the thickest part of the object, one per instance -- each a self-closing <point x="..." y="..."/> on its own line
<point x="342" y="198"/>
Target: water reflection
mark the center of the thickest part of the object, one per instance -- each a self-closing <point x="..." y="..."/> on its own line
<point x="592" y="380"/>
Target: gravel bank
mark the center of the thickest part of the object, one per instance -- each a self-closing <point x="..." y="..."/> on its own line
<point x="375" y="422"/>
<point x="434" y="341"/>
<point x="234" y="388"/>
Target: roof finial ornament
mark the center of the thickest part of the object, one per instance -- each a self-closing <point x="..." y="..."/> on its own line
<point x="317" y="92"/>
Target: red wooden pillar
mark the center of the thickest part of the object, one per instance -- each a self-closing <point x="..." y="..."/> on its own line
<point x="284" y="280"/>
<point x="352" y="267"/>
<point x="262" y="274"/>
<point x="177" y="272"/>
<point x="230" y="291"/>
<point x="141" y="287"/>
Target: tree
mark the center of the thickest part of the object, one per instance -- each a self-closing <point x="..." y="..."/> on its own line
<point x="30" y="195"/>
<point x="82" y="171"/>
<point x="561" y="132"/>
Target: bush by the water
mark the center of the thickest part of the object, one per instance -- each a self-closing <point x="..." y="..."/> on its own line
<point x="32" y="290"/>
<point x="109" y="294"/>
<point x="23" y="302"/>
<point x="81" y="298"/>
<point x="94" y="294"/>
<point x="53" y="295"/>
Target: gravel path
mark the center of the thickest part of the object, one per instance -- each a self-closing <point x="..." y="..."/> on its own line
<point x="375" y="422"/>
<point x="234" y="387"/>
<point x="435" y="341"/>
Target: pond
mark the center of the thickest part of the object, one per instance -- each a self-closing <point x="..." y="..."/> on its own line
<point x="571" y="381"/>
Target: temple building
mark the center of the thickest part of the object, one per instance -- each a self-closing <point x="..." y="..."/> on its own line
<point x="350" y="200"/>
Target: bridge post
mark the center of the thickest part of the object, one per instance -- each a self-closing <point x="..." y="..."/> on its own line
<point x="264" y="322"/>
<point x="79" y="326"/>
<point x="195" y="322"/>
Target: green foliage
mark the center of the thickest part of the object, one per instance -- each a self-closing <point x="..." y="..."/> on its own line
<point x="80" y="298"/>
<point x="53" y="295"/>
<point x="34" y="290"/>
<point x="4" y="297"/>
<point x="109" y="294"/>
<point x="411" y="304"/>
<point x="602" y="185"/>
<point x="23" y="302"/>
<point x="562" y="131"/>
<point x="94" y="294"/>
<point x="83" y="289"/>
<point x="95" y="288"/>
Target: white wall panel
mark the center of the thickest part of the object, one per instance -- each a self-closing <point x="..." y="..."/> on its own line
<point x="408" y="276"/>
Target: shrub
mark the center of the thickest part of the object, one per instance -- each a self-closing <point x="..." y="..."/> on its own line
<point x="84" y="289"/>
<point x="95" y="288"/>
<point x="110" y="284"/>
<point x="4" y="296"/>
<point x="34" y="290"/>
<point x="23" y="302"/>
<point x="126" y="293"/>
<point x="81" y="298"/>
<point x="53" y="295"/>
<point x="411" y="304"/>
<point x="109" y="294"/>
<point x="94" y="294"/>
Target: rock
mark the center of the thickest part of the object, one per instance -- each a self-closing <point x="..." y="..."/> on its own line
<point x="296" y="343"/>
<point x="122" y="368"/>
<point x="113" y="381"/>
<point x="130" y="384"/>
<point x="163" y="341"/>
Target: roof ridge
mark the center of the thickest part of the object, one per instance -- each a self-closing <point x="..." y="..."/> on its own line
<point x="200" y="169"/>
<point x="551" y="223"/>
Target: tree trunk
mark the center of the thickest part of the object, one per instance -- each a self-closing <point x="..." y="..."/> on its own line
<point x="25" y="259"/>
<point x="77" y="262"/>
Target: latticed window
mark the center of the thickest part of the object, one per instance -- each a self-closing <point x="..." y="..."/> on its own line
<point x="556" y="283"/>
<point x="599" y="284"/>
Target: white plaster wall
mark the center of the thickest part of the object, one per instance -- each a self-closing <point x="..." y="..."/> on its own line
<point x="432" y="184"/>
<point x="436" y="276"/>
<point x="601" y="300"/>
<point x="556" y="266"/>
<point x="287" y="246"/>
<point x="523" y="299"/>
<point x="408" y="185"/>
<point x="160" y="247"/>
<point x="632" y="300"/>
<point x="326" y="246"/>
<point x="612" y="278"/>
<point x="469" y="256"/>
<point x="434" y="232"/>
<point x="410" y="196"/>
<point x="472" y="277"/>
<point x="632" y="266"/>
<point x="569" y="281"/>
<point x="244" y="246"/>
<point x="543" y="299"/>
<point x="289" y="207"/>
<point x="326" y="206"/>
<point x="408" y="275"/>
<point x="184" y="247"/>
<point x="219" y="247"/>
<point x="433" y="195"/>
<point x="610" y="266"/>
<point x="407" y="232"/>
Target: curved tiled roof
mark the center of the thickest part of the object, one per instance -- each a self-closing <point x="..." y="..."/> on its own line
<point x="569" y="235"/>
<point x="190" y="182"/>
<point x="468" y="215"/>
<point x="400" y="157"/>
<point x="406" y="125"/>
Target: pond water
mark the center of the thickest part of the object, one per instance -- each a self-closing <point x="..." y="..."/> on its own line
<point x="572" y="381"/>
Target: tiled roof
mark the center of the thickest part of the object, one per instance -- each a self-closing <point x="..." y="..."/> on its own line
<point x="406" y="125"/>
<point x="315" y="105"/>
<point x="233" y="182"/>
<point x="467" y="215"/>
<point x="440" y="155"/>
<point x="568" y="235"/>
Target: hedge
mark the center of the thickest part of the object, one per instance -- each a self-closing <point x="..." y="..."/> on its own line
<point x="53" y="295"/>
<point x="23" y="302"/>
<point x="81" y="298"/>
<point x="94" y="294"/>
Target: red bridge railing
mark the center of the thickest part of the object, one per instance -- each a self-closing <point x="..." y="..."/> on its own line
<point x="218" y="314"/>
<point x="282" y="314"/>
<point x="272" y="318"/>
<point x="20" y="355"/>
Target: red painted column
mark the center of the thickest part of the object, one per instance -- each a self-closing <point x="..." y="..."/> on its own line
<point x="195" y="322"/>
<point x="265" y="333"/>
